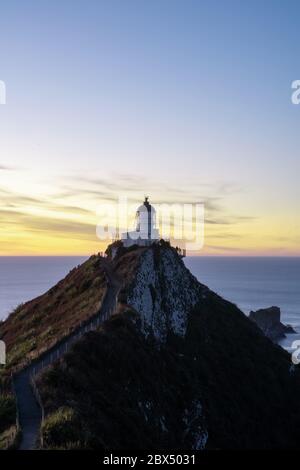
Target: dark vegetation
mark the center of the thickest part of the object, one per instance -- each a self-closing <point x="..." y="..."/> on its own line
<point x="8" y="429"/>
<point x="249" y="388"/>
<point x="122" y="391"/>
<point x="7" y="412"/>
<point x="117" y="390"/>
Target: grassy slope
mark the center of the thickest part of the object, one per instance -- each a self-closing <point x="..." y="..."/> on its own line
<point x="8" y="428"/>
<point x="114" y="388"/>
<point x="38" y="324"/>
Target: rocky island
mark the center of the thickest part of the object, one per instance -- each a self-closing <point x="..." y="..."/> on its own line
<point x="268" y="320"/>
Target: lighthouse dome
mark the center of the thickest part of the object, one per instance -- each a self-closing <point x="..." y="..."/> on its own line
<point x="146" y="206"/>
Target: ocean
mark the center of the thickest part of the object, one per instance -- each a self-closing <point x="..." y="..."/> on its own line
<point x="251" y="283"/>
<point x="25" y="277"/>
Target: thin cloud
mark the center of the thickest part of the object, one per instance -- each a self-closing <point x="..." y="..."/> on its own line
<point x="7" y="167"/>
<point x="4" y="168"/>
<point x="135" y="187"/>
<point x="11" y="199"/>
<point x="230" y="220"/>
<point x="224" y="248"/>
<point x="14" y="207"/>
<point x="227" y="236"/>
<point x="54" y="227"/>
<point x="68" y="209"/>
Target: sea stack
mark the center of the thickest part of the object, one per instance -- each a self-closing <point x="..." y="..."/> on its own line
<point x="268" y="320"/>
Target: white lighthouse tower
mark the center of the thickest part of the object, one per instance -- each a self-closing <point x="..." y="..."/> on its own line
<point x="145" y="232"/>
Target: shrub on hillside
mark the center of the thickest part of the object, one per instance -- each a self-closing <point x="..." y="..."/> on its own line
<point x="7" y="411"/>
<point x="61" y="427"/>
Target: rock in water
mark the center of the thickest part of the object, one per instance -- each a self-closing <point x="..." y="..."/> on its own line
<point x="268" y="320"/>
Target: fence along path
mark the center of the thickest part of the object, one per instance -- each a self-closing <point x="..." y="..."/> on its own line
<point x="30" y="412"/>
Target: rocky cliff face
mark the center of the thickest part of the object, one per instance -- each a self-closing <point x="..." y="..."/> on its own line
<point x="163" y="291"/>
<point x="177" y="367"/>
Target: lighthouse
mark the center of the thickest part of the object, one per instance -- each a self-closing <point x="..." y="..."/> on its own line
<point x="145" y="232"/>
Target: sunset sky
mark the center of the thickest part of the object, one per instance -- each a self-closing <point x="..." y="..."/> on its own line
<point x="186" y="101"/>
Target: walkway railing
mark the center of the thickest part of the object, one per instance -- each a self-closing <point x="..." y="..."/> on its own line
<point x="16" y="400"/>
<point x="40" y="403"/>
<point x="60" y="349"/>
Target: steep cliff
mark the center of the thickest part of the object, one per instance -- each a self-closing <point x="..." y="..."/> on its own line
<point x="177" y="366"/>
<point x="161" y="289"/>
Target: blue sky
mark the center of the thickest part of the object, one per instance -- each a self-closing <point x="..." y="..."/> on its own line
<point x="180" y="99"/>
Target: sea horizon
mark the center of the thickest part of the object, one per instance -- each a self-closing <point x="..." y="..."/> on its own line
<point x="187" y="256"/>
<point x="249" y="282"/>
